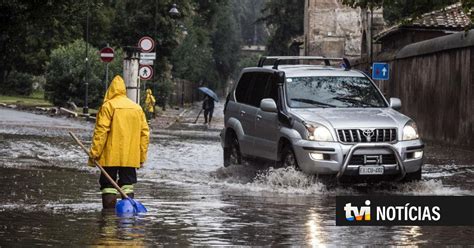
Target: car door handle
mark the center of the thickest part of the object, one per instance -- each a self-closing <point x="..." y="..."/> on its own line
<point x="259" y="117"/>
<point x="242" y="113"/>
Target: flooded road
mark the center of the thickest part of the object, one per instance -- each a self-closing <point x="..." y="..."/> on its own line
<point x="50" y="197"/>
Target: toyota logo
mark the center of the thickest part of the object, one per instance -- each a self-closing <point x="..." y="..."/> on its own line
<point x="368" y="133"/>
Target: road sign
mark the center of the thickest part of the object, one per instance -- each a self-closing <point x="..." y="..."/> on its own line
<point x="148" y="56"/>
<point x="380" y="71"/>
<point x="107" y="54"/>
<point x="146" y="62"/>
<point x="145" y="72"/>
<point x="146" y="43"/>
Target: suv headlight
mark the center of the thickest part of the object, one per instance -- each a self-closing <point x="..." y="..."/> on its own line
<point x="410" y="131"/>
<point x="318" y="133"/>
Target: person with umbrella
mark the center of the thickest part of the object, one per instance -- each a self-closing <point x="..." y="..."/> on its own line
<point x="208" y="107"/>
<point x="208" y="104"/>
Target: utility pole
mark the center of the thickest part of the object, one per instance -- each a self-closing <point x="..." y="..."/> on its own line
<point x="86" y="108"/>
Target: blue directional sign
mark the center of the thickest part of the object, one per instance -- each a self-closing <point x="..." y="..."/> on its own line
<point x="380" y="71"/>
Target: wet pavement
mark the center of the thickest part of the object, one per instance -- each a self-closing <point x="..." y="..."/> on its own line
<point x="51" y="198"/>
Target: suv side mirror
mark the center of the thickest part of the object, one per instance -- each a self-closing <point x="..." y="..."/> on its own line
<point x="268" y="105"/>
<point x="395" y="103"/>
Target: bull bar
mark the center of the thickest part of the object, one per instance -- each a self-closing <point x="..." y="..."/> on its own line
<point x="400" y="164"/>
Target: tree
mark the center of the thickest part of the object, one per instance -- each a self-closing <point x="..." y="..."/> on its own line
<point x="285" y="20"/>
<point x="192" y="60"/>
<point x="226" y="41"/>
<point x="31" y="29"/>
<point x="66" y="72"/>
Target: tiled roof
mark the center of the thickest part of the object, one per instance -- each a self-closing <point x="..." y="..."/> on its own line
<point x="450" y="18"/>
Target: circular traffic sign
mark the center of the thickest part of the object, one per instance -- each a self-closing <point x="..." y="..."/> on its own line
<point x="146" y="43"/>
<point x="107" y="54"/>
<point x="145" y="72"/>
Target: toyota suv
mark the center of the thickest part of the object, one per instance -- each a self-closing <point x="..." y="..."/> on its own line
<point x="321" y="118"/>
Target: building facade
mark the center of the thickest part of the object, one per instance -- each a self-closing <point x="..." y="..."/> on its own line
<point x="335" y="30"/>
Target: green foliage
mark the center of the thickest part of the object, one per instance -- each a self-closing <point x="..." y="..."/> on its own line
<point x="192" y="59"/>
<point x="18" y="83"/>
<point x="30" y="29"/>
<point x="36" y="35"/>
<point x="66" y="72"/>
<point x="226" y="44"/>
<point x="285" y="19"/>
<point x="210" y="50"/>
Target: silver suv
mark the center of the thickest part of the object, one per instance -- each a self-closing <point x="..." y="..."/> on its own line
<point x="322" y="119"/>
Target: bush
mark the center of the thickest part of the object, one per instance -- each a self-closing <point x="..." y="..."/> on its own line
<point x="65" y="76"/>
<point x="18" y="83"/>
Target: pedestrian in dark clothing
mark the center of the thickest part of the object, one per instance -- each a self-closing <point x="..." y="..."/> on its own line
<point x="208" y="107"/>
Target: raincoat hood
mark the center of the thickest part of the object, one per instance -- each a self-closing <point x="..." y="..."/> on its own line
<point x="148" y="91"/>
<point x="116" y="88"/>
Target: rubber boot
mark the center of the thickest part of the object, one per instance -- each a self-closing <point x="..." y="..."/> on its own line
<point x="109" y="201"/>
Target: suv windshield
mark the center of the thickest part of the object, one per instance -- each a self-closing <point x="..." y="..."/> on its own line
<point x="332" y="92"/>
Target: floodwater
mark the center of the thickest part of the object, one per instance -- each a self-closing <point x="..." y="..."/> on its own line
<point x="50" y="197"/>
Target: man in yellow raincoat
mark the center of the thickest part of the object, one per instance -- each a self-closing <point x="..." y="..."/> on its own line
<point x="150" y="104"/>
<point x="120" y="141"/>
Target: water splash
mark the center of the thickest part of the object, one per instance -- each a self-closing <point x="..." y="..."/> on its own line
<point x="430" y="187"/>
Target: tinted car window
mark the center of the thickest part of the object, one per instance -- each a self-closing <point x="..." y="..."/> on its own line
<point x="258" y="90"/>
<point x="332" y="92"/>
<point x="243" y="87"/>
<point x="272" y="89"/>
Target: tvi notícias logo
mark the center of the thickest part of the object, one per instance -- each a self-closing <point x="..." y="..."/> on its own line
<point x="354" y="213"/>
<point x="393" y="213"/>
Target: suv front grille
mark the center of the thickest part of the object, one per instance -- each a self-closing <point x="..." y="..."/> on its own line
<point x="383" y="159"/>
<point x="367" y="135"/>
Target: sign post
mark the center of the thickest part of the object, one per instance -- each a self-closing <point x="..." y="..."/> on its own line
<point x="107" y="55"/>
<point x="147" y="56"/>
<point x="380" y="71"/>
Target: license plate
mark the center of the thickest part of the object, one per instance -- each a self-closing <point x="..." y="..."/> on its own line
<point x="371" y="170"/>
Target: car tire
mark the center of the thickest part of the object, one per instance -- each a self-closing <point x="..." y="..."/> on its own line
<point x="288" y="158"/>
<point x="413" y="177"/>
<point x="232" y="153"/>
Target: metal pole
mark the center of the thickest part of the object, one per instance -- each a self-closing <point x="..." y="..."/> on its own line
<point x="371" y="35"/>
<point x="106" y="76"/>
<point x="86" y="108"/>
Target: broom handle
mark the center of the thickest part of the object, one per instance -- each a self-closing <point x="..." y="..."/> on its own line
<point x="99" y="166"/>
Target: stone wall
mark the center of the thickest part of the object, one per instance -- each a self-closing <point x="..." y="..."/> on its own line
<point x="335" y="30"/>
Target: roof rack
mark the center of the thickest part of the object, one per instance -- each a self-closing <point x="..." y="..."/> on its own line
<point x="278" y="59"/>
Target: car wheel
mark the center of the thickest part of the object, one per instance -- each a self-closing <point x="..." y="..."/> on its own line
<point x="288" y="158"/>
<point x="412" y="177"/>
<point x="232" y="153"/>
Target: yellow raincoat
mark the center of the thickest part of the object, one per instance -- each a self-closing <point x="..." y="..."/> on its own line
<point x="150" y="101"/>
<point x="121" y="133"/>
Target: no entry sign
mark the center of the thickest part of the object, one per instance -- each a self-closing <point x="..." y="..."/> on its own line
<point x="145" y="72"/>
<point x="146" y="43"/>
<point x="107" y="54"/>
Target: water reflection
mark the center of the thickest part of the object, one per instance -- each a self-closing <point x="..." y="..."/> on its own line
<point x="120" y="231"/>
<point x="314" y="235"/>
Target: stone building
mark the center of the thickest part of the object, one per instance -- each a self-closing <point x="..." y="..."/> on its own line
<point x="335" y="30"/>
